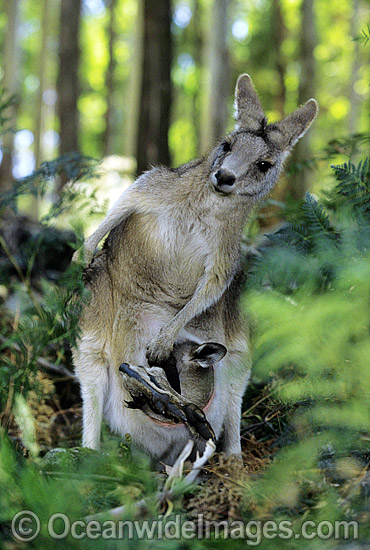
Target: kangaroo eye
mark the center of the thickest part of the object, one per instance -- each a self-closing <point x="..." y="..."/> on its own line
<point x="226" y="147"/>
<point x="263" y="166"/>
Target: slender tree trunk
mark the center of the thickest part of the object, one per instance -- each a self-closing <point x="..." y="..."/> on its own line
<point x="133" y="96"/>
<point x="268" y="216"/>
<point x="196" y="23"/>
<point x="39" y="124"/>
<point x="68" y="81"/>
<point x="219" y="74"/>
<point x="156" y="92"/>
<point x="300" y="182"/>
<point x="110" y="80"/>
<point x="354" y="99"/>
<point x="11" y="85"/>
<point x="279" y="36"/>
<point x="39" y="118"/>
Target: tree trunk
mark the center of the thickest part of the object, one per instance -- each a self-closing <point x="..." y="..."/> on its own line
<point x="156" y="92"/>
<point x="300" y="182"/>
<point x="133" y="96"/>
<point x="11" y="86"/>
<point x="219" y="75"/>
<point x="354" y="99"/>
<point x="110" y="80"/>
<point x="39" y="118"/>
<point x="39" y="123"/>
<point x="68" y="81"/>
<point x="279" y="36"/>
<point x="196" y="24"/>
<point x="268" y="216"/>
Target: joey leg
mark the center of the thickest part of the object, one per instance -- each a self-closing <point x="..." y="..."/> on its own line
<point x="148" y="388"/>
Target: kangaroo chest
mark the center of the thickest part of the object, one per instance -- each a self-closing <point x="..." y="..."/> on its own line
<point x="162" y="257"/>
<point x="178" y="252"/>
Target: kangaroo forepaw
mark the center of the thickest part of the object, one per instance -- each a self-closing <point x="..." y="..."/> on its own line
<point x="83" y="256"/>
<point x="159" y="350"/>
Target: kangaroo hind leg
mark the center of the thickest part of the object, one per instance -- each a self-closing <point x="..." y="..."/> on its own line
<point x="92" y="372"/>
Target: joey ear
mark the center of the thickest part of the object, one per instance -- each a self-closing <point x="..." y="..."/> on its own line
<point x="208" y="354"/>
<point x="248" y="110"/>
<point x="295" y="125"/>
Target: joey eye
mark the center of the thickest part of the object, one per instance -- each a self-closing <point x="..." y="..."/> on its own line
<point x="226" y="147"/>
<point x="263" y="166"/>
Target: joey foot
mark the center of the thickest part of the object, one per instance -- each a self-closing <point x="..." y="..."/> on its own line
<point x="150" y="389"/>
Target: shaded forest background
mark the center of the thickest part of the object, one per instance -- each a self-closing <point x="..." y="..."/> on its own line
<point x="152" y="81"/>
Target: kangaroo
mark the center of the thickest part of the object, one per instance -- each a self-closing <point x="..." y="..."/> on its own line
<point x="170" y="269"/>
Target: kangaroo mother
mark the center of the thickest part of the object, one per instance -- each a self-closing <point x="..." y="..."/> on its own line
<point x="170" y="271"/>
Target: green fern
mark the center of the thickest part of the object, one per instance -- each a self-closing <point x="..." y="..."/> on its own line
<point x="351" y="177"/>
<point x="293" y="234"/>
<point x="347" y="146"/>
<point x="353" y="190"/>
<point x="49" y="320"/>
<point x="323" y="230"/>
<point x="315" y="218"/>
<point x="364" y="36"/>
<point x="6" y="101"/>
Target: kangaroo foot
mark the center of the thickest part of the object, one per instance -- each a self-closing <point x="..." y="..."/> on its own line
<point x="151" y="392"/>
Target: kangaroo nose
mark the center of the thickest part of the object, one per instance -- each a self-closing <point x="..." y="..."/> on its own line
<point x="224" y="177"/>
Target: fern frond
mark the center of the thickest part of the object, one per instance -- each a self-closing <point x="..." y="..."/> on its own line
<point x="364" y="36"/>
<point x="292" y="234"/>
<point x="348" y="145"/>
<point x="354" y="186"/>
<point x="351" y="175"/>
<point x="6" y="101"/>
<point x="316" y="218"/>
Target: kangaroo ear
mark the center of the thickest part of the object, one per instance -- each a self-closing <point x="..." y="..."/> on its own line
<point x="248" y="110"/>
<point x="208" y="354"/>
<point x="294" y="126"/>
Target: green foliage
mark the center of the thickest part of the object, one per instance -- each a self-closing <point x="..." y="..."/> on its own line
<point x="364" y="36"/>
<point x="49" y="319"/>
<point x="310" y="290"/>
<point x="315" y="242"/>
<point x="6" y="101"/>
<point x="72" y="166"/>
<point x="75" y="482"/>
<point x="353" y="188"/>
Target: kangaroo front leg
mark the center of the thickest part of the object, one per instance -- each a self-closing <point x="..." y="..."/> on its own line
<point x="209" y="290"/>
<point x="127" y="203"/>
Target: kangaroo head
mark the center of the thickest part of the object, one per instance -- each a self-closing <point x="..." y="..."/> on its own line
<point x="194" y="364"/>
<point x="205" y="355"/>
<point x="249" y="161"/>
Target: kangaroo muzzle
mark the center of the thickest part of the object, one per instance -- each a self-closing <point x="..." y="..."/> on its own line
<point x="223" y="180"/>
